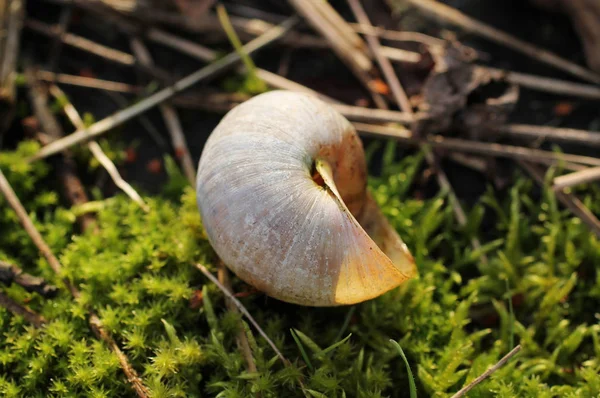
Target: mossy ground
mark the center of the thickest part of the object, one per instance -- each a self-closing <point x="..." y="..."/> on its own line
<point x="453" y="321"/>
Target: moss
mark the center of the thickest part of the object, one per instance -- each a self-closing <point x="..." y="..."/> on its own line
<point x="453" y="321"/>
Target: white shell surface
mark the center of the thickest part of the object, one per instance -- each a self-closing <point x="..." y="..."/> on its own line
<point x="272" y="224"/>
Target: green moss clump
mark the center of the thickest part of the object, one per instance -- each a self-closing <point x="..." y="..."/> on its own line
<point x="453" y="321"/>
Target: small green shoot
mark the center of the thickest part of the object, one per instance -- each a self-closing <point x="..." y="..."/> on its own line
<point x="302" y="350"/>
<point x="411" y="379"/>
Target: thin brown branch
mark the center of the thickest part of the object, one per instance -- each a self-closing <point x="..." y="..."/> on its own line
<point x="159" y="97"/>
<point x="348" y="46"/>
<point x="395" y="35"/>
<point x="32" y="231"/>
<point x="80" y="42"/>
<point x="242" y="309"/>
<point x="568" y="200"/>
<point x="463" y="391"/>
<point x="545" y="84"/>
<point x="17" y="309"/>
<point x="10" y="273"/>
<point x="241" y="338"/>
<point x="89" y="82"/>
<point x="476" y="147"/>
<point x="577" y="178"/>
<point x="400" y="55"/>
<point x="97" y="151"/>
<point x="169" y="114"/>
<point x="473" y="26"/>
<point x="582" y="137"/>
<point x="65" y="166"/>
<point x="95" y="323"/>
<point x="384" y="63"/>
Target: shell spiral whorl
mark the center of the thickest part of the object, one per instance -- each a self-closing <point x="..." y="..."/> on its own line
<point x="282" y="196"/>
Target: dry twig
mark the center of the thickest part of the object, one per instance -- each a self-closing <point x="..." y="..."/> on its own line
<point x="463" y="391"/>
<point x="582" y="137"/>
<point x="80" y="42"/>
<point x="545" y="84"/>
<point x="384" y="63"/>
<point x="567" y="199"/>
<point x="242" y="309"/>
<point x="476" y="147"/>
<point x="344" y="41"/>
<point x="17" y="309"/>
<point x="577" y="178"/>
<point x="159" y="97"/>
<point x="10" y="273"/>
<point x="97" y="151"/>
<point x="89" y="82"/>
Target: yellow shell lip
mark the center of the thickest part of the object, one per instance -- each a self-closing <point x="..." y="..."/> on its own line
<point x="394" y="263"/>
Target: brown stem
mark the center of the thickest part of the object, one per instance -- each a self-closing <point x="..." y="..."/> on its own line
<point x="463" y="391"/>
<point x="10" y="273"/>
<point x="568" y="200"/>
<point x="17" y="309"/>
<point x="577" y="178"/>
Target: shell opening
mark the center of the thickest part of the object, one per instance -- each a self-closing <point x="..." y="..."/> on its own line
<point x="316" y="175"/>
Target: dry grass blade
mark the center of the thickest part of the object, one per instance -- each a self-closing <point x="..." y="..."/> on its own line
<point x="394" y="35"/>
<point x="463" y="391"/>
<point x="399" y="55"/>
<point x="567" y="199"/>
<point x="97" y="151"/>
<point x="476" y="147"/>
<point x="159" y="97"/>
<point x="89" y="82"/>
<point x="583" y="137"/>
<point x="17" y="309"/>
<point x="202" y="53"/>
<point x="242" y="309"/>
<point x="31" y="230"/>
<point x="169" y="114"/>
<point x="545" y="84"/>
<point x="81" y="43"/>
<point x="348" y="46"/>
<point x="471" y="25"/>
<point x="384" y="63"/>
<point x="577" y="178"/>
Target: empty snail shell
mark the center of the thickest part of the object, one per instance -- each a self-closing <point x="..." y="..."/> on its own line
<point x="282" y="192"/>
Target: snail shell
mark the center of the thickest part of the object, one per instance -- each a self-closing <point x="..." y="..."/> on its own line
<point x="282" y="194"/>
